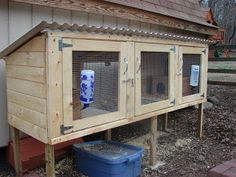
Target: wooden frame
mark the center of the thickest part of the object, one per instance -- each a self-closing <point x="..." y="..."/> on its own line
<point x="203" y="52"/>
<point x="93" y="45"/>
<point x="145" y="47"/>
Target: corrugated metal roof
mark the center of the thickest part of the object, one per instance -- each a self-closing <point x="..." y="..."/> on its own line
<point x="44" y="26"/>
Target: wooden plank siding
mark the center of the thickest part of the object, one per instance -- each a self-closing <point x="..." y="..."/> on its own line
<point x="16" y="19"/>
<point x="26" y="88"/>
<point x="4" y="130"/>
<point x="131" y="13"/>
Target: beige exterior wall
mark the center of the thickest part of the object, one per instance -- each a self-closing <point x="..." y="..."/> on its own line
<point x="17" y="18"/>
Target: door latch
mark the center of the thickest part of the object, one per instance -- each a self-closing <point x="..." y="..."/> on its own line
<point x="129" y="80"/>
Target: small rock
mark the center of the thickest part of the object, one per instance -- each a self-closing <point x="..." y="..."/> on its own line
<point x="207" y="105"/>
<point x="182" y="142"/>
<point x="233" y="152"/>
<point x="201" y="158"/>
<point x="225" y="140"/>
<point x="213" y="99"/>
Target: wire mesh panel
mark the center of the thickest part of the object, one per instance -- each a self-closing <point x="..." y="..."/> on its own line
<point x="106" y="75"/>
<point x="154" y="77"/>
<point x="188" y="61"/>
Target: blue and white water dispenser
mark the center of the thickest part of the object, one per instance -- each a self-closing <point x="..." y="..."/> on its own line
<point x="86" y="87"/>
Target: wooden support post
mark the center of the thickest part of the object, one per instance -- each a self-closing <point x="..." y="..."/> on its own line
<point x="15" y="135"/>
<point x="108" y="135"/>
<point x="50" y="160"/>
<point x="153" y="142"/>
<point x="165" y="122"/>
<point x="200" y="120"/>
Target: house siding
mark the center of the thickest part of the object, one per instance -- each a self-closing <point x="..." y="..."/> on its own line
<point x="17" y="18"/>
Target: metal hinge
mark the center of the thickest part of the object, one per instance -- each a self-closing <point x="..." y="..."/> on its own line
<point x="65" y="128"/>
<point x="204" y="51"/>
<point x="203" y="95"/>
<point x="173" y="102"/>
<point x="62" y="45"/>
<point x="173" y="49"/>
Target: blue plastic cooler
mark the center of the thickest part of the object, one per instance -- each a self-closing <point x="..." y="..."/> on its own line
<point x="108" y="159"/>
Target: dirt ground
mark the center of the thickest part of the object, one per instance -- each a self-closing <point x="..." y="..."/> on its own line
<point x="179" y="152"/>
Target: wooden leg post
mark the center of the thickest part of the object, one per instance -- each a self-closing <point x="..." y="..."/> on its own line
<point x="50" y="160"/>
<point x="15" y="135"/>
<point x="200" y="120"/>
<point x="165" y="125"/>
<point x="153" y="143"/>
<point x="108" y="135"/>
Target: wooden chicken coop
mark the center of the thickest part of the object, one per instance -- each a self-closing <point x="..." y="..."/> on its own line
<point x="136" y="75"/>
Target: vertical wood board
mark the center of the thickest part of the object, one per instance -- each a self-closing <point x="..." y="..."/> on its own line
<point x="20" y="19"/>
<point x="61" y="16"/>
<point x="122" y="23"/>
<point x="134" y="25"/>
<point x="80" y="18"/>
<point x="145" y="26"/>
<point x="67" y="85"/>
<point x="110" y="22"/>
<point x="4" y="28"/>
<point x="153" y="140"/>
<point x="4" y="130"/>
<point x="54" y="87"/>
<point x="95" y="20"/>
<point x="50" y="160"/>
<point x="41" y="13"/>
<point x="16" y="151"/>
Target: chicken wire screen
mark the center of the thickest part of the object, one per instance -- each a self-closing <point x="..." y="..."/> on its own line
<point x="188" y="61"/>
<point x="105" y="66"/>
<point x="154" y="77"/>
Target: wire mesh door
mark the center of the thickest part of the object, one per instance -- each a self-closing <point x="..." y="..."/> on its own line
<point x="105" y="97"/>
<point x="154" y="77"/>
<point x="95" y="87"/>
<point x="190" y="60"/>
<point x="193" y="74"/>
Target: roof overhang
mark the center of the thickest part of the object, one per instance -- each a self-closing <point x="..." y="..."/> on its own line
<point x="45" y="27"/>
<point x="122" y="11"/>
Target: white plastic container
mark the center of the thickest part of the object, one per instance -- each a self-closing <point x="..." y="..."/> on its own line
<point x="87" y="87"/>
<point x="194" y="78"/>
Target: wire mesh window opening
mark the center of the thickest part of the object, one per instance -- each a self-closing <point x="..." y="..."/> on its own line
<point x="190" y="60"/>
<point x="106" y="74"/>
<point x="154" y="77"/>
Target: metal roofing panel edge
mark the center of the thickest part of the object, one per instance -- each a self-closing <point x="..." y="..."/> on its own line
<point x="93" y="29"/>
